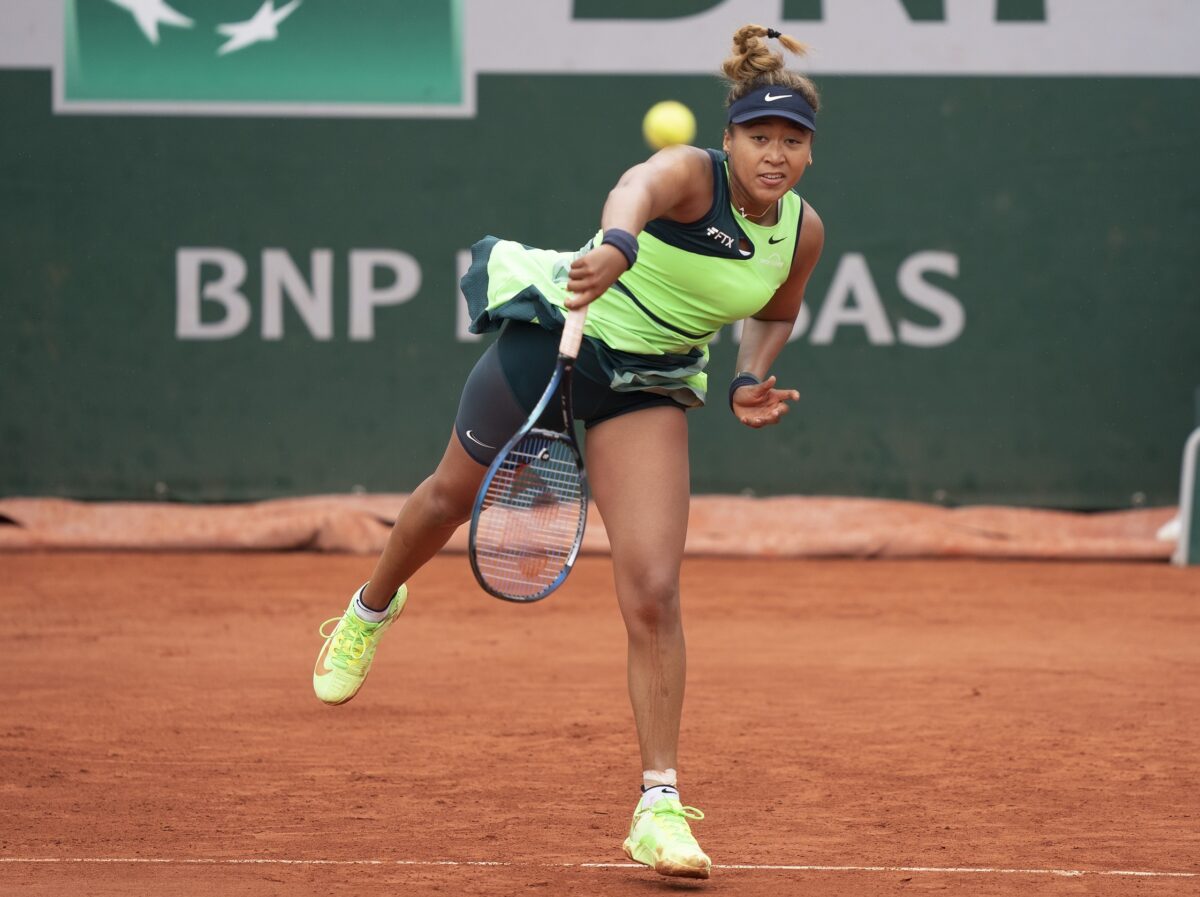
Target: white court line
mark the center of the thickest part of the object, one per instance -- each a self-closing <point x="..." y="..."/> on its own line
<point x="936" y="870"/>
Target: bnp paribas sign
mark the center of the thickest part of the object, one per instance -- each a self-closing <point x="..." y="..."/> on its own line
<point x="423" y="57"/>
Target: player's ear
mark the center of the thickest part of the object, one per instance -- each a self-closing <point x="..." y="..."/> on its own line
<point x="725" y="139"/>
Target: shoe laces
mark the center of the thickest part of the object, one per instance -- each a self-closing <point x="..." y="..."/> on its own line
<point x="350" y="641"/>
<point x="672" y="816"/>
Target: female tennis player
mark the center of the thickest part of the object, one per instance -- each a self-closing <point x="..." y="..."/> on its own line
<point x="690" y="240"/>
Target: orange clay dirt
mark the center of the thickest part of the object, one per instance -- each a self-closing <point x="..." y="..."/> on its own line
<point x="929" y="726"/>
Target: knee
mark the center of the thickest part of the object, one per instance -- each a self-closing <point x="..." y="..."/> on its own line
<point x="447" y="502"/>
<point x="651" y="606"/>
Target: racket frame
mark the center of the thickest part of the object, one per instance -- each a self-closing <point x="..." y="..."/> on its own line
<point x="560" y="380"/>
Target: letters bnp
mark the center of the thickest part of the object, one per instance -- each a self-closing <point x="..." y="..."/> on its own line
<point x="211" y="301"/>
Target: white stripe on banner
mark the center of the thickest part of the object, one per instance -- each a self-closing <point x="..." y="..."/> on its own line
<point x="856" y="37"/>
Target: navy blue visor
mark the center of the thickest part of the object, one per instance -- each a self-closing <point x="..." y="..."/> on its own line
<point x="773" y="102"/>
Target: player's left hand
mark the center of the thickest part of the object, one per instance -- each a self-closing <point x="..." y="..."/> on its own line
<point x="761" y="404"/>
<point x="593" y="273"/>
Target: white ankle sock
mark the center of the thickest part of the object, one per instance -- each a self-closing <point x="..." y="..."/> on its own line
<point x="653" y="795"/>
<point x="367" y="614"/>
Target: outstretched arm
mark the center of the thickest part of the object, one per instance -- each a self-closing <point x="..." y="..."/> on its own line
<point x="764" y="335"/>
<point x="674" y="183"/>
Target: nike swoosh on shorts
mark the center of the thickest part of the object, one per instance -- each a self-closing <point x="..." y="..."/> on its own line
<point x="477" y="441"/>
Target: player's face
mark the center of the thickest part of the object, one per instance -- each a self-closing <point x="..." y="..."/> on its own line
<point x="766" y="159"/>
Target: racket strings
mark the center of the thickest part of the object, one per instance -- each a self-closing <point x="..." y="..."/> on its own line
<point x="532" y="515"/>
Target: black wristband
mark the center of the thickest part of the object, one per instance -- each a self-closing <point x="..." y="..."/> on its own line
<point x="624" y="241"/>
<point x="743" y="378"/>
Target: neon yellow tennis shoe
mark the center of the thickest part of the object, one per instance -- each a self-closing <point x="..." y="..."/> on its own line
<point x="345" y="659"/>
<point x="661" y="837"/>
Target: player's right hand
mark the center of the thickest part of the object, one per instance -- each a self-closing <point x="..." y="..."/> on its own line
<point x="593" y="273"/>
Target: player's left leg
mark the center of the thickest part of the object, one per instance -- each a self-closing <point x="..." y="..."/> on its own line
<point x="638" y="471"/>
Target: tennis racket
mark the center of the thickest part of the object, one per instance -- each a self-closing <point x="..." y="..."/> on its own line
<point x="528" y="519"/>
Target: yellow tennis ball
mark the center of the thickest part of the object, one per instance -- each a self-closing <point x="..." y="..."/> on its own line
<point x="668" y="123"/>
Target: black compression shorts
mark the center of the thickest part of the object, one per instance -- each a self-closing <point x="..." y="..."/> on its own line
<point x="510" y="377"/>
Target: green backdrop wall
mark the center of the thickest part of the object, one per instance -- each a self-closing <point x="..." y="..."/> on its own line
<point x="1051" y="225"/>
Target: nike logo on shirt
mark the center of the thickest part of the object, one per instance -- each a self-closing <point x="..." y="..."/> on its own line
<point x="774" y="240"/>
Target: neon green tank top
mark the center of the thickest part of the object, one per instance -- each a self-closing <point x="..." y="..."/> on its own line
<point x="692" y="279"/>
<point x="689" y="281"/>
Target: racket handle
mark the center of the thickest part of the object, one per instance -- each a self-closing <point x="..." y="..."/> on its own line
<point x="572" y="333"/>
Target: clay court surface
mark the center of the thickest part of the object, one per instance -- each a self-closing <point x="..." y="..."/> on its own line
<point x="958" y="726"/>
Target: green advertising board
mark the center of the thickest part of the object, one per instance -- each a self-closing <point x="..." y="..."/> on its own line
<point x="378" y="56"/>
<point x="225" y="285"/>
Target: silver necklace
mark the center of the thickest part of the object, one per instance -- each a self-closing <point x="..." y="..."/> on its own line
<point x="742" y="212"/>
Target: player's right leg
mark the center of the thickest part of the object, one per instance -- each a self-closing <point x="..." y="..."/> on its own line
<point x="425" y="523"/>
<point x="488" y="414"/>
